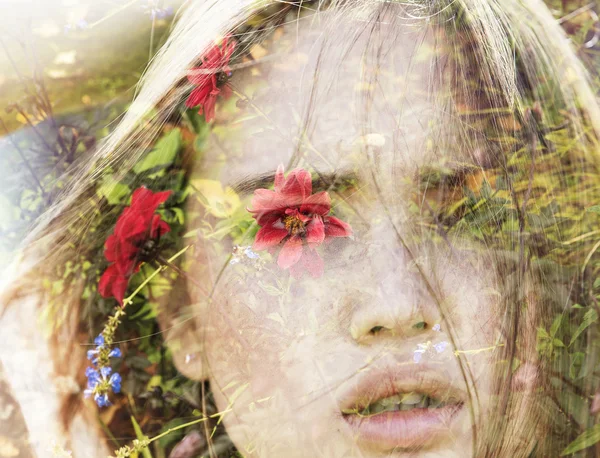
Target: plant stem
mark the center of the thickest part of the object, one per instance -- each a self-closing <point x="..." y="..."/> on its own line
<point x="129" y="299"/>
<point x="185" y="425"/>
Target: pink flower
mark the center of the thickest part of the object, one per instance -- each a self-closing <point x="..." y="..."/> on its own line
<point x="210" y="79"/>
<point x="291" y="215"/>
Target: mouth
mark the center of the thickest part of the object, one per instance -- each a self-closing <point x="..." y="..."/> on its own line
<point x="402" y="402"/>
<point x="392" y="411"/>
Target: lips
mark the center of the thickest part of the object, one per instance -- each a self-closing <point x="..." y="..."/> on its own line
<point x="401" y="407"/>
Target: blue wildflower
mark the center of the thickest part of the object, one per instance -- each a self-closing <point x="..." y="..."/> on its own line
<point x="102" y="400"/>
<point x="100" y="383"/>
<point x="101" y="348"/>
<point x="251" y="254"/>
<point x="92" y="355"/>
<point x="115" y="353"/>
<point x="100" y="379"/>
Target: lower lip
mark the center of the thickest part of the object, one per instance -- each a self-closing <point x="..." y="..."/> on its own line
<point x="403" y="429"/>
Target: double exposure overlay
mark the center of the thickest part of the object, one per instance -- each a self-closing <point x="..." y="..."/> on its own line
<point x="314" y="228"/>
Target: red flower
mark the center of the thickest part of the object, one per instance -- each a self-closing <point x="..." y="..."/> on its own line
<point x="134" y="241"/>
<point x="293" y="215"/>
<point x="210" y="79"/>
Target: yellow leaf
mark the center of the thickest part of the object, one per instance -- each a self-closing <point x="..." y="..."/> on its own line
<point x="219" y="202"/>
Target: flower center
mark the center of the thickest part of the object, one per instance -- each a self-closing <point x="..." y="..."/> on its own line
<point x="222" y="78"/>
<point x="294" y="224"/>
<point x="148" y="250"/>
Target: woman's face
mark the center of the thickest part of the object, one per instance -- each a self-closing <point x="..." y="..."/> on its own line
<point x="390" y="349"/>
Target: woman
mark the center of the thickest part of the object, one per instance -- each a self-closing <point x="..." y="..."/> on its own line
<point x="373" y="241"/>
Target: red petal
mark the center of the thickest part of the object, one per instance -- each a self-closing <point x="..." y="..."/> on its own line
<point x="131" y="225"/>
<point x="228" y="47"/>
<point x="111" y="248"/>
<point x="315" y="232"/>
<point x="268" y="236"/>
<point x="267" y="218"/>
<point x="290" y="253"/>
<point x="197" y="98"/>
<point x="279" y="178"/>
<point x="318" y="203"/>
<point x="268" y="206"/>
<point x="297" y="271"/>
<point x="209" y="106"/>
<point x="226" y="91"/>
<point x="297" y="185"/>
<point x="112" y="283"/>
<point x="159" y="227"/>
<point x="119" y="288"/>
<point x="313" y="263"/>
<point x="144" y="200"/>
<point x="336" y="228"/>
<point x="202" y="77"/>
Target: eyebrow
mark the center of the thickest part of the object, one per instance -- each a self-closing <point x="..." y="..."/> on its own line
<point x="321" y="182"/>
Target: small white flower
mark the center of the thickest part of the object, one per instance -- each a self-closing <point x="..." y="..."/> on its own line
<point x="58" y="451"/>
<point x="251" y="254"/>
<point x="430" y="349"/>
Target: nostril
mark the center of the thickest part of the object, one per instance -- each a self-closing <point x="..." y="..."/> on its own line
<point x="376" y="329"/>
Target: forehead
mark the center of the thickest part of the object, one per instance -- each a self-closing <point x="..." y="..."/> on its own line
<point x="335" y="93"/>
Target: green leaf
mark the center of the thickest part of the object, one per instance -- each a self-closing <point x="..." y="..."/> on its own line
<point x="577" y="360"/>
<point x="163" y="154"/>
<point x="542" y="333"/>
<point x="555" y="325"/>
<point x="593" y="209"/>
<point x="486" y="190"/>
<point x="587" y="439"/>
<point x="140" y="436"/>
<point x="112" y="190"/>
<point x="558" y="343"/>
<point x="590" y="317"/>
<point x="148" y="311"/>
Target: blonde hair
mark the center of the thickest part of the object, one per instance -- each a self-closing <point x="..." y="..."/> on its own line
<point x="500" y="31"/>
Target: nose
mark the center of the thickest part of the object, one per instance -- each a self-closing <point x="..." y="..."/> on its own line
<point x="398" y="307"/>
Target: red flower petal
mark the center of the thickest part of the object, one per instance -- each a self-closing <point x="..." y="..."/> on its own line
<point x="112" y="283"/>
<point x="136" y="224"/>
<point x="268" y="236"/>
<point x="199" y="95"/>
<point x="110" y="248"/>
<point x="298" y="185"/>
<point x="202" y="77"/>
<point x="226" y="91"/>
<point x="336" y="228"/>
<point x="290" y="253"/>
<point x="297" y="271"/>
<point x="318" y="203"/>
<point x="147" y="201"/>
<point x="310" y="262"/>
<point x="279" y="178"/>
<point x="313" y="263"/>
<point x="159" y="227"/>
<point x="209" y="106"/>
<point x="315" y="232"/>
<point x="269" y="206"/>
<point x="132" y="225"/>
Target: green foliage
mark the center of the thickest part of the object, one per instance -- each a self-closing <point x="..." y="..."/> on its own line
<point x="587" y="439"/>
<point x="162" y="155"/>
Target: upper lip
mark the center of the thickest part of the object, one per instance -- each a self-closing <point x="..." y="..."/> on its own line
<point x="379" y="382"/>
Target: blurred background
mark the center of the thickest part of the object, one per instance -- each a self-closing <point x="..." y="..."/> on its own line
<point x="68" y="70"/>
